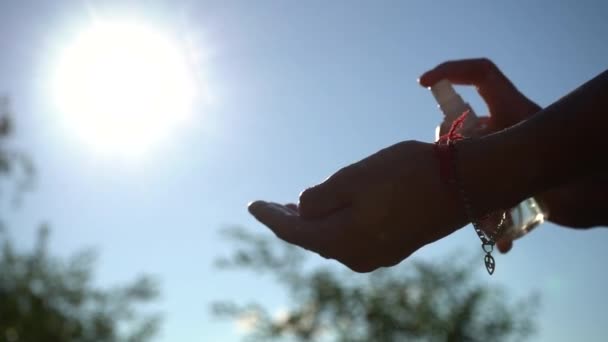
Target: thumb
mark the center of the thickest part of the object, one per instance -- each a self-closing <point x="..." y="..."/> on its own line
<point x="334" y="193"/>
<point x="504" y="245"/>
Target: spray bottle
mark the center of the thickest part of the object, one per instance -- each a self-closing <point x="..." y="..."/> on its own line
<point x="525" y="216"/>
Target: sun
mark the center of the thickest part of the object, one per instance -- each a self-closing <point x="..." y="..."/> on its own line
<point x="123" y="86"/>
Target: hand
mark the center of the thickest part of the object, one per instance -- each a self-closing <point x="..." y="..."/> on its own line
<point x="373" y="213"/>
<point x="506" y="104"/>
<point x="569" y="205"/>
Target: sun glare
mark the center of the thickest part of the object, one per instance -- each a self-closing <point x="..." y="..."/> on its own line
<point x="122" y="87"/>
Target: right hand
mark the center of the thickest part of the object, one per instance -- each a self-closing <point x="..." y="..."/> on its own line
<point x="570" y="205"/>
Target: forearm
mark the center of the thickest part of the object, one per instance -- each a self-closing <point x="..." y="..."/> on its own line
<point x="562" y="143"/>
<point x="582" y="204"/>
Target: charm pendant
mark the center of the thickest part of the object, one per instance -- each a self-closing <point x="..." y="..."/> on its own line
<point x="490" y="263"/>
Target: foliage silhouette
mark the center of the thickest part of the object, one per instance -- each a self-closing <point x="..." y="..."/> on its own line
<point x="46" y="298"/>
<point x="417" y="301"/>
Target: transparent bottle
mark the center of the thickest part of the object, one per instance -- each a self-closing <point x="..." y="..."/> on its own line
<point x="528" y="214"/>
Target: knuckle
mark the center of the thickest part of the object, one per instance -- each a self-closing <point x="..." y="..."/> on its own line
<point x="446" y="64"/>
<point x="362" y="267"/>
<point x="306" y="196"/>
<point x="344" y="173"/>
<point x="395" y="254"/>
<point x="486" y="62"/>
<point x="307" y="200"/>
<point x="488" y="66"/>
<point x="394" y="260"/>
<point x="391" y="261"/>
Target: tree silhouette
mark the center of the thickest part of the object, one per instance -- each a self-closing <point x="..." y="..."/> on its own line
<point x="16" y="169"/>
<point x="45" y="298"/>
<point x="418" y="301"/>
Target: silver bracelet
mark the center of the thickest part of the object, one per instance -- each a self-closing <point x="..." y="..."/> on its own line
<point x="487" y="240"/>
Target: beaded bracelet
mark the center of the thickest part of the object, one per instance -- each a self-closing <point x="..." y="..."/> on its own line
<point x="445" y="150"/>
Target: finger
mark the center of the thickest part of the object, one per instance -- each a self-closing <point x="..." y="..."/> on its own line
<point x="281" y="220"/>
<point x="475" y="72"/>
<point x="293" y="207"/>
<point x="480" y="72"/>
<point x="315" y="235"/>
<point x="333" y="194"/>
<point x="504" y="245"/>
<point x="493" y="86"/>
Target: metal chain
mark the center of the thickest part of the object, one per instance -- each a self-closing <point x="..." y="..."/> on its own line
<point x="487" y="241"/>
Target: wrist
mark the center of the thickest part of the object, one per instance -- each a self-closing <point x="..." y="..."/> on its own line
<point x="497" y="171"/>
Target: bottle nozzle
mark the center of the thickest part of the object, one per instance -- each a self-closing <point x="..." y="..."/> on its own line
<point x="450" y="103"/>
<point x="443" y="91"/>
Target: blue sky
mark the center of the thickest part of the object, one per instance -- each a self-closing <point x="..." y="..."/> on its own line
<point x="300" y="89"/>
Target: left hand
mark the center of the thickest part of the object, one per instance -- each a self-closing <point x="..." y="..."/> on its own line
<point x="373" y="213"/>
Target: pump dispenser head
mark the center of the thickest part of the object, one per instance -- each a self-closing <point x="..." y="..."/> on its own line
<point x="443" y="91"/>
<point x="450" y="103"/>
<point x="452" y="106"/>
